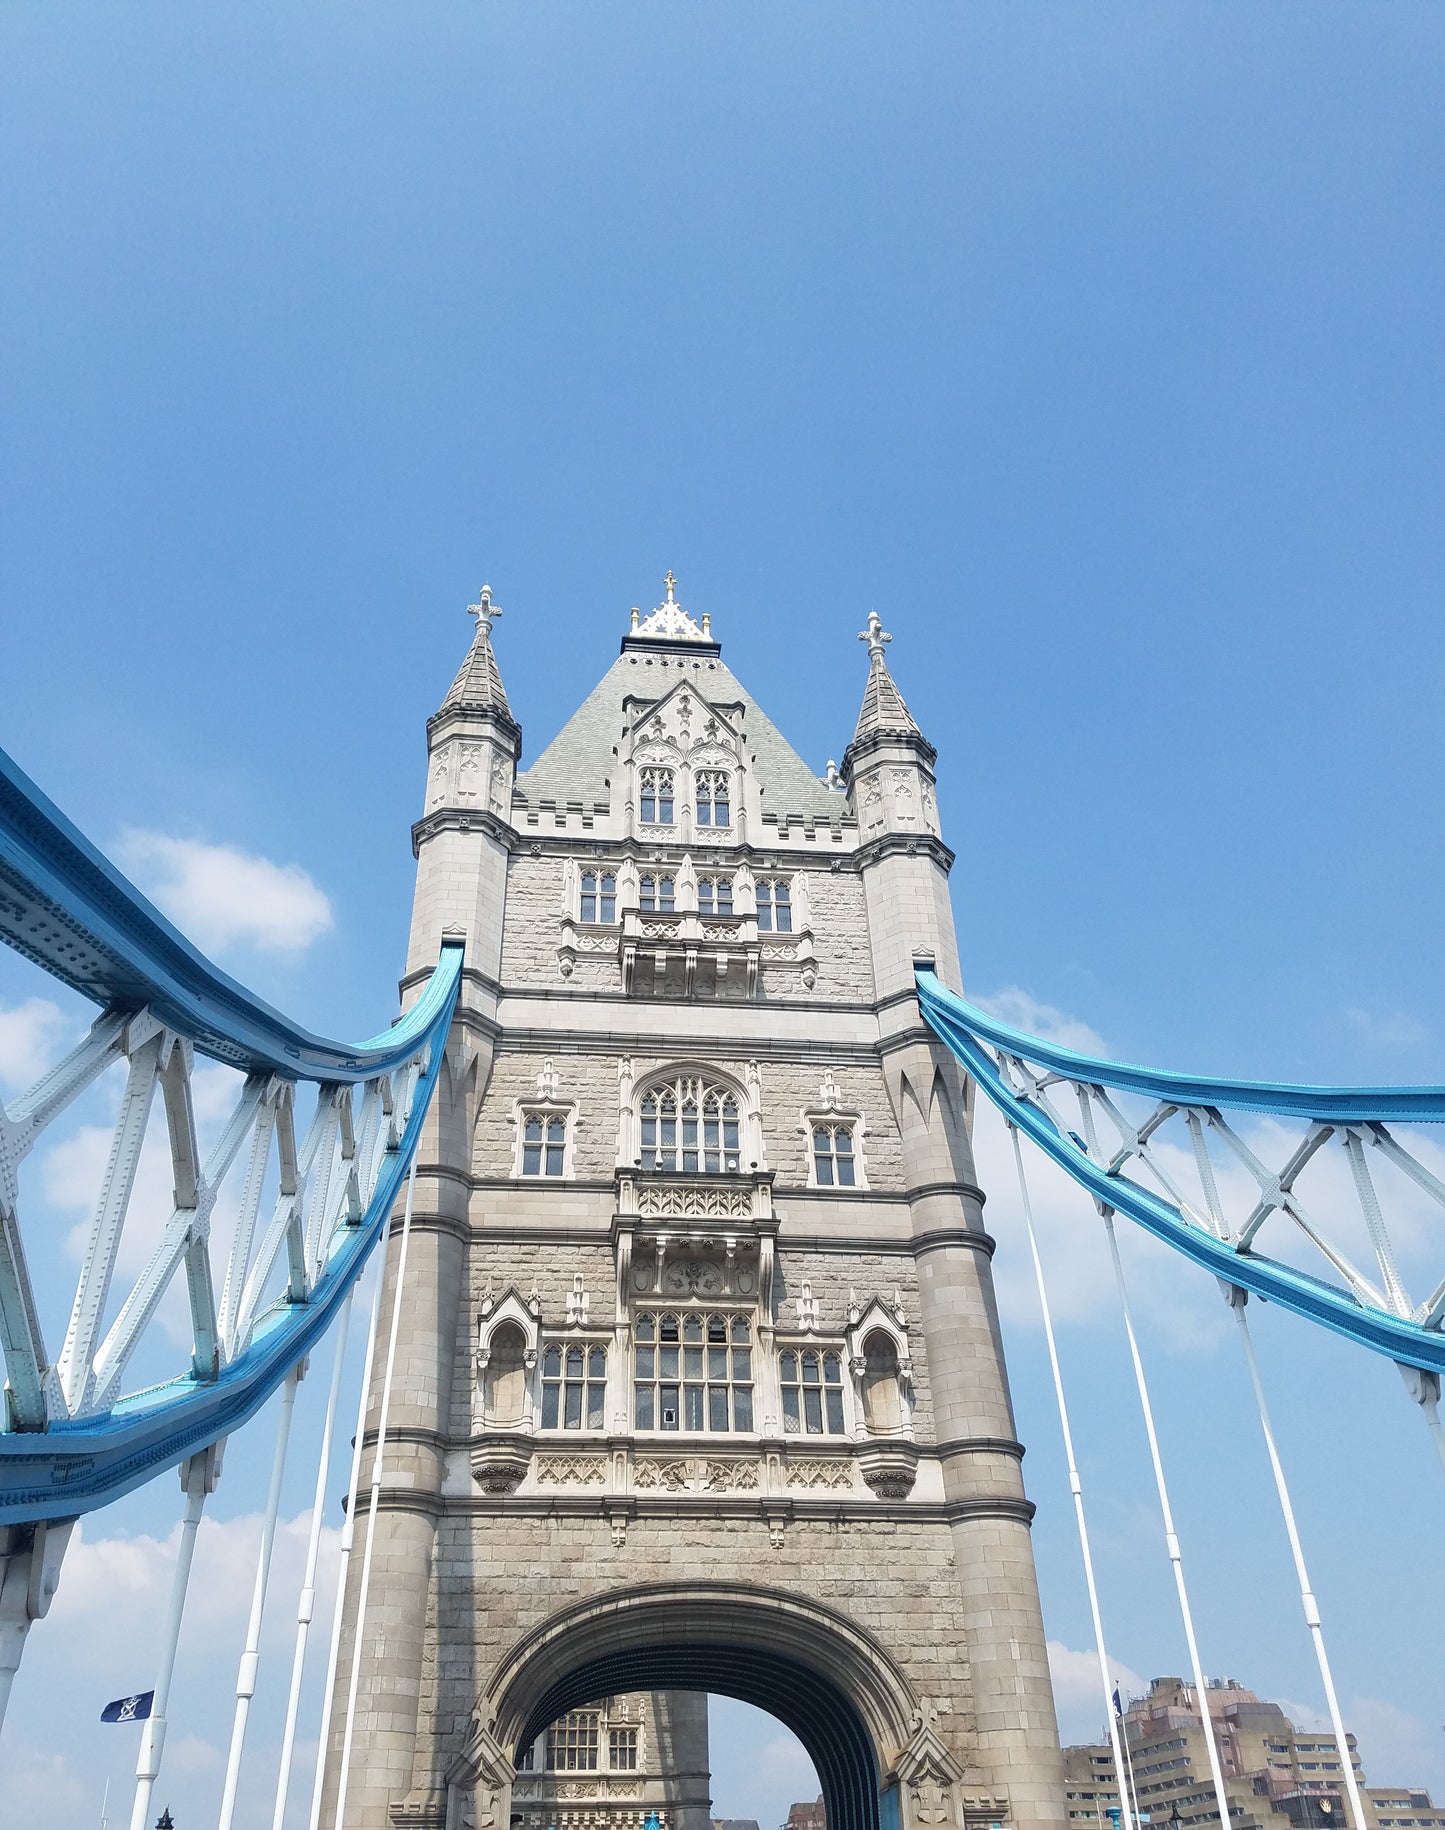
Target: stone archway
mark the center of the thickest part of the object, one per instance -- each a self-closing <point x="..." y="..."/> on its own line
<point x="814" y="1670"/>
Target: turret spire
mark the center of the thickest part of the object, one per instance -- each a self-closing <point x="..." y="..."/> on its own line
<point x="478" y="686"/>
<point x="883" y="708"/>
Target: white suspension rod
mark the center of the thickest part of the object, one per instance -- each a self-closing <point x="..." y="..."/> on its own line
<point x="1431" y="1408"/>
<point x="358" y="1638"/>
<point x="1307" y="1600"/>
<point x="1076" y="1487"/>
<point x="348" y="1535"/>
<point x="199" y="1476"/>
<point x="251" y="1655"/>
<point x="1171" y="1538"/>
<point x="306" y="1605"/>
<point x="1424" y="1389"/>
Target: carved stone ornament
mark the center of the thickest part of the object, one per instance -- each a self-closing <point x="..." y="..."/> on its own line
<point x="889" y="1468"/>
<point x="833" y="1472"/>
<point x="929" y="1774"/>
<point x="686" y="1200"/>
<point x="571" y="1470"/>
<point x="500" y="1463"/>
<point x="695" y="1474"/>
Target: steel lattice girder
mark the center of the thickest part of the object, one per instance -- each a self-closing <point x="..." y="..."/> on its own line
<point x="72" y="1444"/>
<point x="1376" y="1315"/>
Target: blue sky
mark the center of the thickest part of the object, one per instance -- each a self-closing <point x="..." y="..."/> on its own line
<point x="1096" y="346"/>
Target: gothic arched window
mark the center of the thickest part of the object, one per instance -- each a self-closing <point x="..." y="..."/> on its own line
<point x="693" y="1372"/>
<point x="655" y="896"/>
<point x="833" y="1160"/>
<point x="599" y="896"/>
<point x="574" y="1387"/>
<point x="656" y="797"/>
<point x="775" y="905"/>
<point x="712" y="793"/>
<point x="544" y="1144"/>
<point x="812" y="1387"/>
<point x="690" y="1128"/>
<point x="714" y="896"/>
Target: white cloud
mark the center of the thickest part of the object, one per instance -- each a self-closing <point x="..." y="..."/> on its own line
<point x="224" y="897"/>
<point x="101" y="1640"/>
<point x="1388" y="1029"/>
<point x="1078" y="1692"/>
<point x="1013" y="1005"/>
<point x="30" y="1038"/>
<point x="113" y="1592"/>
<point x="41" y="1788"/>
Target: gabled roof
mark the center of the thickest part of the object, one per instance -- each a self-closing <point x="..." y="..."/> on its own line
<point x="580" y="760"/>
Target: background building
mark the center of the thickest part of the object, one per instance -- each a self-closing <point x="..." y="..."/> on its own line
<point x="606" y="1766"/>
<point x="1276" y="1775"/>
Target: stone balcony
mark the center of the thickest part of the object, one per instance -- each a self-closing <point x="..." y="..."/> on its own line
<point x="696" y="1236"/>
<point x="724" y="946"/>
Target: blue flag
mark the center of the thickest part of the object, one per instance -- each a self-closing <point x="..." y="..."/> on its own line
<point x="129" y="1709"/>
<point x="1118" y="1706"/>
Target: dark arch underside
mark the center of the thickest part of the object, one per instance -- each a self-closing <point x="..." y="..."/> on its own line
<point x="813" y="1707"/>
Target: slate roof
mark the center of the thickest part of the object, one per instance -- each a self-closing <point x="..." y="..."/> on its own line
<point x="478" y="686"/>
<point x="579" y="761"/>
<point x="883" y="708"/>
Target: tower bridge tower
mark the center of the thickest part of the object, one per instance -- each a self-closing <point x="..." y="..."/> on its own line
<point x="699" y="1381"/>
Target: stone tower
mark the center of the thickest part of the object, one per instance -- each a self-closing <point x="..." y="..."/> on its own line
<point x="700" y="1380"/>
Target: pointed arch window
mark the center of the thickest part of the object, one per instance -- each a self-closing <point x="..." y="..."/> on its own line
<point x="693" y="1372"/>
<point x="656" y="896"/>
<point x="775" y="905"/>
<point x="712" y="794"/>
<point x="574" y="1387"/>
<point x="834" y="1161"/>
<point x="656" y="797"/>
<point x="714" y="895"/>
<point x="690" y="1127"/>
<point x="599" y="896"/>
<point x="812" y="1388"/>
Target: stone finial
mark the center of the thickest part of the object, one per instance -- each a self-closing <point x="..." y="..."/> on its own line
<point x="807" y="1305"/>
<point x="669" y="619"/>
<point x="828" y="1091"/>
<point x="547" y="1080"/>
<point x="875" y="635"/>
<point x="484" y="610"/>
<point x="577" y="1303"/>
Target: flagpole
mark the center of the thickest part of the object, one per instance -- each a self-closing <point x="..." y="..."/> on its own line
<point x="104" y="1804"/>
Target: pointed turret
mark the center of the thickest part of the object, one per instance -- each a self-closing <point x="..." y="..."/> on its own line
<point x="888" y="767"/>
<point x="883" y="707"/>
<point x="478" y="685"/>
<point x="473" y="746"/>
